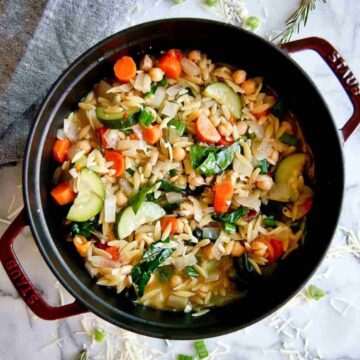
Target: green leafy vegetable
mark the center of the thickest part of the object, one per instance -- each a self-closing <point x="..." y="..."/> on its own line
<point x="198" y="233"/>
<point x="263" y="165"/>
<point x="146" y="117"/>
<point x="163" y="81"/>
<point x="185" y="357"/>
<point x="85" y="228"/>
<point x="288" y="139"/>
<point x="140" y="197"/>
<point x="190" y="271"/>
<point x="211" y="2"/>
<point x="232" y="217"/>
<point x="151" y="260"/>
<point x="152" y="89"/>
<point x="130" y="171"/>
<point x="178" y="125"/>
<point x="210" y="166"/>
<point x="127" y="132"/>
<point x="83" y="355"/>
<point x="164" y="273"/>
<point x="253" y="22"/>
<point x="99" y="335"/>
<point x="230" y="228"/>
<point x="315" y="293"/>
<point x="270" y="222"/>
<point x="195" y="192"/>
<point x="200" y="348"/>
<point x="279" y="109"/>
<point x="171" y="207"/>
<point x="169" y="187"/>
<point x="173" y="172"/>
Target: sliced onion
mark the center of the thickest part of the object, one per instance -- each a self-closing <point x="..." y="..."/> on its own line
<point x="99" y="261"/>
<point x="170" y="109"/>
<point x="182" y="262"/>
<point x="263" y="150"/>
<point x="111" y="136"/>
<point x="173" y="197"/>
<point x="110" y="209"/>
<point x="256" y="128"/>
<point x="159" y="96"/>
<point x="198" y="213"/>
<point x="172" y="91"/>
<point x="242" y="166"/>
<point x="70" y="130"/>
<point x="125" y="186"/>
<point x="251" y="202"/>
<point x="189" y="67"/>
<point x="137" y="130"/>
<point x="61" y="134"/>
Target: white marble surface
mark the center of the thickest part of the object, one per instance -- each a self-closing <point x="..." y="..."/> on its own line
<point x="330" y="336"/>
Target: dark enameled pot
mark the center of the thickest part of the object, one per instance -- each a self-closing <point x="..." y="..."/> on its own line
<point x="218" y="40"/>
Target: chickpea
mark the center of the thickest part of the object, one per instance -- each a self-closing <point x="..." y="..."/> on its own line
<point x="237" y="249"/>
<point x="84" y="145"/>
<point x="249" y="86"/>
<point x="273" y="157"/>
<point x="264" y="182"/>
<point x="156" y="74"/>
<point x="225" y="129"/>
<point x="121" y="199"/>
<point x="208" y="251"/>
<point x="175" y="280"/>
<point x="242" y="127"/>
<point x="194" y="56"/>
<point x="196" y="180"/>
<point x="179" y="154"/>
<point x="239" y="77"/>
<point x="146" y="63"/>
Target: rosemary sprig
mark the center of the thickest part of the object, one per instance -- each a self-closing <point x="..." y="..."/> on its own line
<point x="294" y="21"/>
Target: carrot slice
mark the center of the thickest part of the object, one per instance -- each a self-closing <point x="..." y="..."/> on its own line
<point x="260" y="114"/>
<point x="114" y="252"/>
<point x="171" y="66"/>
<point x="175" y="54"/>
<point x="102" y="132"/>
<point x="206" y="131"/>
<point x="152" y="135"/>
<point x="118" y="162"/>
<point x="169" y="220"/>
<point x="223" y="195"/>
<point x="125" y="69"/>
<point x="60" y="149"/>
<point x="63" y="194"/>
<point x="278" y="248"/>
<point x="224" y="142"/>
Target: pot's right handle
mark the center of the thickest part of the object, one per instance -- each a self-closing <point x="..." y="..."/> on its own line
<point x="342" y="71"/>
<point x="23" y="284"/>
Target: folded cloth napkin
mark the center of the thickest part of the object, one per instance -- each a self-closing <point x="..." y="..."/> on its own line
<point x="65" y="30"/>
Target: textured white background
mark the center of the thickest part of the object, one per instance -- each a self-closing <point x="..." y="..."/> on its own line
<point x="22" y="335"/>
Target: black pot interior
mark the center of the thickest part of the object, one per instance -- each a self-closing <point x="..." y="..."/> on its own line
<point x="222" y="43"/>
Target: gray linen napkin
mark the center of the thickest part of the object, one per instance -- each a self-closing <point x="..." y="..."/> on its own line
<point x="65" y="29"/>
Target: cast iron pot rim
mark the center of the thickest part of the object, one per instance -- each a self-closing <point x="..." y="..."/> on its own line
<point x="67" y="279"/>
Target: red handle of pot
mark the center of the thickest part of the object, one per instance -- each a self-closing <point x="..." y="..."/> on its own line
<point x="339" y="67"/>
<point x="22" y="283"/>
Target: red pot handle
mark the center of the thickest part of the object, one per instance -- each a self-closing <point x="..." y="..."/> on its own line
<point x="339" y="67"/>
<point x="22" y="283"/>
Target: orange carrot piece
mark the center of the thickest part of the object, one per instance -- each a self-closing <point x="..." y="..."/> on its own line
<point x="118" y="162"/>
<point x="133" y="136"/>
<point x="206" y="131"/>
<point x="125" y="69"/>
<point x="278" y="248"/>
<point x="152" y="135"/>
<point x="171" y="66"/>
<point x="224" y="142"/>
<point x="260" y="114"/>
<point x="169" y="220"/>
<point x="102" y="132"/>
<point x="60" y="149"/>
<point x="114" y="252"/>
<point x="223" y="195"/>
<point x="63" y="194"/>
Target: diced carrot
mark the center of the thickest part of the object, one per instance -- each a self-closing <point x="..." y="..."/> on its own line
<point x="270" y="250"/>
<point x="118" y="162"/>
<point x="63" y="194"/>
<point x="102" y="132"/>
<point x="133" y="136"/>
<point x="206" y="131"/>
<point x="152" y="134"/>
<point x="81" y="244"/>
<point x="100" y="245"/>
<point x="60" y="149"/>
<point x="169" y="220"/>
<point x="223" y="195"/>
<point x="304" y="208"/>
<point x="207" y="250"/>
<point x="170" y="65"/>
<point x="125" y="69"/>
<point x="114" y="252"/>
<point x="274" y="249"/>
<point x="175" y="54"/>
<point x="224" y="142"/>
<point x="260" y="114"/>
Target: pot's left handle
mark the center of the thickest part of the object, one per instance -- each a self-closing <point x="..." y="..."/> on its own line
<point x="22" y="283"/>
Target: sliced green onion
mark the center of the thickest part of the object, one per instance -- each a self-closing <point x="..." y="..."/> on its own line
<point x="169" y="187"/>
<point x="83" y="355"/>
<point x="263" y="165"/>
<point x="211" y="2"/>
<point x="270" y="222"/>
<point x="127" y="132"/>
<point x="173" y="172"/>
<point x="253" y="22"/>
<point x="137" y="200"/>
<point x="179" y="126"/>
<point x="178" y="1"/>
<point x="99" y="335"/>
<point x="130" y="171"/>
<point x="146" y="117"/>
<point x="190" y="271"/>
<point x="185" y="357"/>
<point x="315" y="293"/>
<point x="163" y="273"/>
<point x="200" y="348"/>
<point x="152" y="91"/>
<point x="171" y="207"/>
<point x="288" y="139"/>
<point x="163" y="81"/>
<point x="230" y="228"/>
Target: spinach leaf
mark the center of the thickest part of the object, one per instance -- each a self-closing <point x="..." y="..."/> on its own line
<point x="140" y="197"/>
<point x="163" y="273"/>
<point x="190" y="271"/>
<point x="263" y="165"/>
<point x="151" y="260"/>
<point x="225" y="156"/>
<point x="169" y="187"/>
<point x="196" y="192"/>
<point x="210" y="166"/>
<point x="171" y="207"/>
<point x="198" y="154"/>
<point x="178" y="125"/>
<point x="279" y="109"/>
<point x="85" y="228"/>
<point x="245" y="273"/>
<point x="173" y="172"/>
<point x="232" y="217"/>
